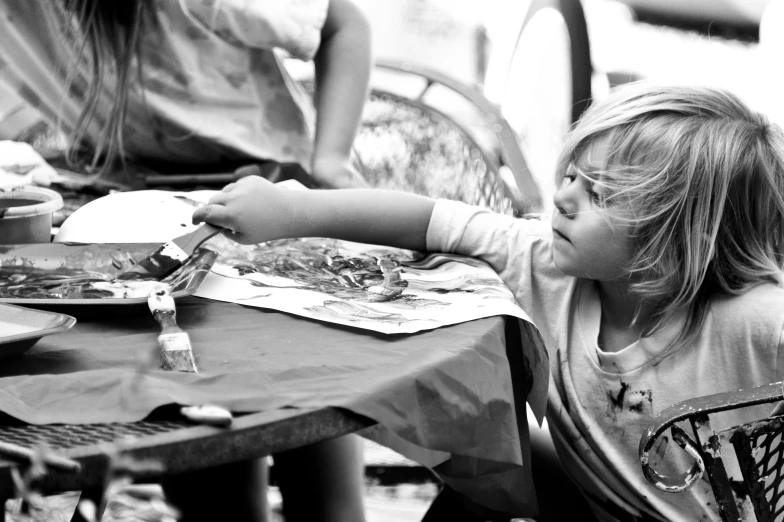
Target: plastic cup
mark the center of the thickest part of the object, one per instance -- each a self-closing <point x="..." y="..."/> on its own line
<point x="26" y="214"/>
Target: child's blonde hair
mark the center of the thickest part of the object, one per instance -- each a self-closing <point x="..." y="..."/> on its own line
<point x="701" y="178"/>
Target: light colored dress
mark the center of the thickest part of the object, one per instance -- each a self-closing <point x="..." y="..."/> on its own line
<point x="213" y="90"/>
<point x="601" y="402"/>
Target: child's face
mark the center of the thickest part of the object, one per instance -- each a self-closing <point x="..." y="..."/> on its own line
<point x="590" y="240"/>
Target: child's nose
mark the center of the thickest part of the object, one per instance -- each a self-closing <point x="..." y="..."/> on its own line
<point x="563" y="203"/>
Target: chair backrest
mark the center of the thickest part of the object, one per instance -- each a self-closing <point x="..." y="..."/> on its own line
<point x="405" y="145"/>
<point x="757" y="447"/>
<point x="442" y="139"/>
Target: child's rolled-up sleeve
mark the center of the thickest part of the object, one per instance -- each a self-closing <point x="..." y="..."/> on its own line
<point x="506" y="243"/>
<point x="292" y="25"/>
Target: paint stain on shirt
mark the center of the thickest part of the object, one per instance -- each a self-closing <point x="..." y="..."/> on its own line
<point x="616" y="399"/>
<point x="635" y="401"/>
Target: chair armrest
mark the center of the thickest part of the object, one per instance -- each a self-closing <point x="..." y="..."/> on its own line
<point x="693" y="410"/>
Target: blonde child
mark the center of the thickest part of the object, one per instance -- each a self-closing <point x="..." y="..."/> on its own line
<point x="658" y="278"/>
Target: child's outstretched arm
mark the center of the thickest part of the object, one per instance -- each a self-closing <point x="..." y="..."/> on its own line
<point x="255" y="210"/>
<point x="343" y="65"/>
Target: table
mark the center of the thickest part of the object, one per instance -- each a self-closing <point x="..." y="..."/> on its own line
<point x="436" y="394"/>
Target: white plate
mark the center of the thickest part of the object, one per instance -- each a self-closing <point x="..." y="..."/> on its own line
<point x="143" y="216"/>
<point x="21" y="328"/>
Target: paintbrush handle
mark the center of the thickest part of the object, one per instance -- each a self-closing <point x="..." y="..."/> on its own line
<point x="167" y="319"/>
<point x="190" y="242"/>
<point x="163" y="309"/>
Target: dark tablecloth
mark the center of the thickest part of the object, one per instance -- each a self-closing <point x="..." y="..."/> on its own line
<point x="437" y="395"/>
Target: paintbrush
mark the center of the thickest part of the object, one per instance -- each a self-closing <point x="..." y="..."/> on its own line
<point x="174" y="343"/>
<point x="170" y="256"/>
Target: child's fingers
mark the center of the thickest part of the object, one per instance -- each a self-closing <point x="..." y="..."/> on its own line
<point x="221" y="198"/>
<point x="248" y="179"/>
<point x="242" y="181"/>
<point x="215" y="215"/>
<point x="198" y="216"/>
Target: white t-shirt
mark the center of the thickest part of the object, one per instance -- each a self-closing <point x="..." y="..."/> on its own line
<point x="213" y="90"/>
<point x="600" y="403"/>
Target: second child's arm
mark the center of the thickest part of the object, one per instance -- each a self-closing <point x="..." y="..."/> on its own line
<point x="343" y="65"/>
<point x="255" y="210"/>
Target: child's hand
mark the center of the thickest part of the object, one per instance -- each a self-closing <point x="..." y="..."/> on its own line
<point x="253" y="210"/>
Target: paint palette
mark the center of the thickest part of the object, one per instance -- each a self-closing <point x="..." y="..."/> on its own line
<point x="21" y="328"/>
<point x="83" y="274"/>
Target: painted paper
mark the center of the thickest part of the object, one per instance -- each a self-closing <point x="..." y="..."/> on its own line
<point x="378" y="288"/>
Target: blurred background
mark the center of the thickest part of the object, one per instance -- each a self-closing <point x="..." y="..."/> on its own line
<point x="540" y="63"/>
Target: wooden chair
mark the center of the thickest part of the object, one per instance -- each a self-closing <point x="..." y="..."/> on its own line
<point x="758" y="448"/>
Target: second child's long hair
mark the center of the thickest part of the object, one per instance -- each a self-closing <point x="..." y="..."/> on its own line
<point x="700" y="177"/>
<point x="107" y="34"/>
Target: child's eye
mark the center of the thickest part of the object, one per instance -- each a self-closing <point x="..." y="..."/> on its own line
<point x="595" y="196"/>
<point x="570" y="178"/>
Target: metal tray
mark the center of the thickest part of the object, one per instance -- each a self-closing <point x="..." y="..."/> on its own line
<point x="21" y="328"/>
<point x="81" y="274"/>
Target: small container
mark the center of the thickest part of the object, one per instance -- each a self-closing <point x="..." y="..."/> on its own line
<point x="26" y="214"/>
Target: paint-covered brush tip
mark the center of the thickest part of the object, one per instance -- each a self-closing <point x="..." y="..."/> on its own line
<point x="174" y="344"/>
<point x="165" y="260"/>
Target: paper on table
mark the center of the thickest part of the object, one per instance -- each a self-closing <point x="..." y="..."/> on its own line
<point x="383" y="289"/>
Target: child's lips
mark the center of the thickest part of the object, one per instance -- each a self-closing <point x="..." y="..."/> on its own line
<point x="558" y="235"/>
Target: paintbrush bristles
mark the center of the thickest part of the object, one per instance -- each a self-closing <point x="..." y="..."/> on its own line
<point x="180" y="360"/>
<point x="157" y="265"/>
<point x="175" y="345"/>
<point x="169" y="256"/>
